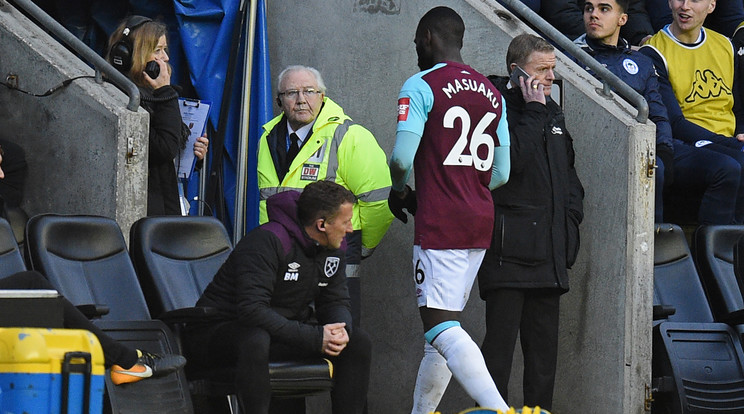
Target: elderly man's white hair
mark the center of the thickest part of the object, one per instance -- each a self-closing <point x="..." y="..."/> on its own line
<point x="298" y="68"/>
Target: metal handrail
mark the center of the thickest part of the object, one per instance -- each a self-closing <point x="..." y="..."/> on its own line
<point x="241" y="186"/>
<point x="607" y="78"/>
<point x="100" y="65"/>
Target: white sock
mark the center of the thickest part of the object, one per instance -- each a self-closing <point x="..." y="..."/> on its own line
<point x="466" y="362"/>
<point x="431" y="382"/>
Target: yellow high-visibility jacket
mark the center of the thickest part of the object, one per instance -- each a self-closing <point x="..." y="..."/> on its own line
<point x="338" y="150"/>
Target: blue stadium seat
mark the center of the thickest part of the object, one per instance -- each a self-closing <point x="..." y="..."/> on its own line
<point x="713" y="252"/>
<point x="176" y="258"/>
<point x="11" y="259"/>
<point x="86" y="259"/>
<point x="697" y="363"/>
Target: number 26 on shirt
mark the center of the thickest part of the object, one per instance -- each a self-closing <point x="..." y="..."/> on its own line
<point x="478" y="138"/>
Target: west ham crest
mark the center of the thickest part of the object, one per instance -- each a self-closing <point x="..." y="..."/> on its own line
<point x="331" y="266"/>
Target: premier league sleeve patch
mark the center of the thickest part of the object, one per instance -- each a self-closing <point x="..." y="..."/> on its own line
<point x="403" y="105"/>
<point x="331" y="266"/>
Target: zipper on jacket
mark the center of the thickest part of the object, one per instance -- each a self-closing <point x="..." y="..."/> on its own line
<point x="501" y="256"/>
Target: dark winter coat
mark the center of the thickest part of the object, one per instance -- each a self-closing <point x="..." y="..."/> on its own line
<point x="274" y="275"/>
<point x="538" y="211"/>
<point x="168" y="135"/>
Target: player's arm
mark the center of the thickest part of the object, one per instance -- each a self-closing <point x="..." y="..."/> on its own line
<point x="501" y="157"/>
<point x="414" y="103"/>
<point x="401" y="160"/>
<point x="401" y="163"/>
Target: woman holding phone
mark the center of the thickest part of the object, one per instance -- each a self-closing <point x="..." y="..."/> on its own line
<point x="139" y="49"/>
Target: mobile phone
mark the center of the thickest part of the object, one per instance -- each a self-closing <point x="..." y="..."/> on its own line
<point x="152" y="69"/>
<point x="516" y="73"/>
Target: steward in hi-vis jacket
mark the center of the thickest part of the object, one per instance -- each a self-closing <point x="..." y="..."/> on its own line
<point x="330" y="147"/>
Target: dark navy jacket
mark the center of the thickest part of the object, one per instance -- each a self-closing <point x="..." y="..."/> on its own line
<point x="275" y="274"/>
<point x="637" y="70"/>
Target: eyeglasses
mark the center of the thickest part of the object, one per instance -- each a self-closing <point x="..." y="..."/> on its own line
<point x="295" y="93"/>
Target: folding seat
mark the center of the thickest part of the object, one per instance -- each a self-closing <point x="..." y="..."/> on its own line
<point x="86" y="259"/>
<point x="38" y="309"/>
<point x="17" y="218"/>
<point x="697" y="363"/>
<point x="676" y="281"/>
<point x="176" y="258"/>
<point x="739" y="263"/>
<point x="11" y="259"/>
<point x="713" y="251"/>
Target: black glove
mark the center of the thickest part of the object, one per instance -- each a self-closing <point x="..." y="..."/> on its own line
<point x="397" y="204"/>
<point x="666" y="155"/>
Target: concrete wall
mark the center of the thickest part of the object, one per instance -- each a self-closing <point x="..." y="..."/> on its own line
<point x="365" y="51"/>
<point x="76" y="148"/>
<point x="76" y="139"/>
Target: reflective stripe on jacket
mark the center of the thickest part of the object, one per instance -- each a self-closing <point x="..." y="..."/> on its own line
<point x="339" y="150"/>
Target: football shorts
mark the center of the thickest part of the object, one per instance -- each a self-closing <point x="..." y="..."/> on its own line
<point x="444" y="278"/>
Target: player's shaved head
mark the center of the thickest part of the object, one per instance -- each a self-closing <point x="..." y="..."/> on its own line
<point x="444" y="23"/>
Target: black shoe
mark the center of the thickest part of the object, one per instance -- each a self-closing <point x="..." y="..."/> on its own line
<point x="161" y="365"/>
<point x="148" y="365"/>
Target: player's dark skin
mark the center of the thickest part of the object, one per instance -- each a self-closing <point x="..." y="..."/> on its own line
<point x="433" y="317"/>
<point x="431" y="49"/>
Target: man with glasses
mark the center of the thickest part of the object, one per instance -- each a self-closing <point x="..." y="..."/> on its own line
<point x="313" y="139"/>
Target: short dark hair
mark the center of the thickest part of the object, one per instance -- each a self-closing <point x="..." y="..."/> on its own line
<point x="522" y="46"/>
<point x="624" y="4"/>
<point x="322" y="199"/>
<point x="446" y="23"/>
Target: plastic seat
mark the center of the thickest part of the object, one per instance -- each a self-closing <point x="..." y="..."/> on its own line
<point x="713" y="250"/>
<point x="739" y="263"/>
<point x="86" y="259"/>
<point x="176" y="258"/>
<point x="11" y="258"/>
<point x="697" y="363"/>
<point x="676" y="281"/>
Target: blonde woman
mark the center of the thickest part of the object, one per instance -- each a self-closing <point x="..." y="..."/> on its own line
<point x="139" y="49"/>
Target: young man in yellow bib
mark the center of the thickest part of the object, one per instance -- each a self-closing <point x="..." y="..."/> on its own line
<point x="697" y="70"/>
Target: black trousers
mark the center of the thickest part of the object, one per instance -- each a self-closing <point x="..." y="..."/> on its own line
<point x="533" y="314"/>
<point x="113" y="351"/>
<point x="249" y="349"/>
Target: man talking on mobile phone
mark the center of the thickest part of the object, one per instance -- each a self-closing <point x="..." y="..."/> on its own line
<point x="536" y="227"/>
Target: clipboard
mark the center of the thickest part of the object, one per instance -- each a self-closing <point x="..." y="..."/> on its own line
<point x="194" y="113"/>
